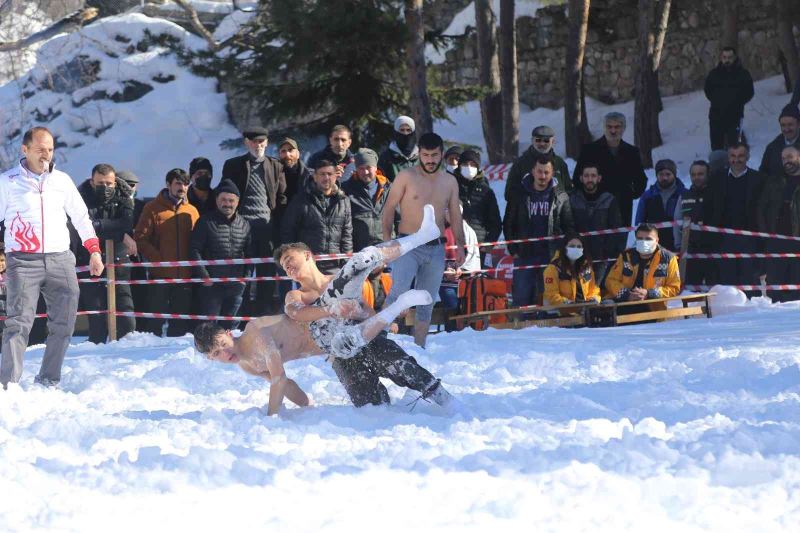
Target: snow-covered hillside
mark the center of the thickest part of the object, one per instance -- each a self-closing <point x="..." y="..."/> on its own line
<point x="14" y="25"/>
<point x="112" y="93"/>
<point x="685" y="426"/>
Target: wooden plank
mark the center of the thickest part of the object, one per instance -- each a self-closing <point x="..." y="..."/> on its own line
<point x="662" y="314"/>
<point x="111" y="292"/>
<point x="687" y="298"/>
<point x="556" y="322"/>
<point x="526" y="309"/>
<point x="438" y="317"/>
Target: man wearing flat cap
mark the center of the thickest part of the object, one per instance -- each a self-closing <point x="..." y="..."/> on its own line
<point x="221" y="234"/>
<point x="262" y="186"/>
<point x="543" y="139"/>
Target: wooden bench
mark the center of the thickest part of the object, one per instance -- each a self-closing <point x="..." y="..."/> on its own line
<point x="609" y="314"/>
<point x="569" y="315"/>
<point x="593" y="314"/>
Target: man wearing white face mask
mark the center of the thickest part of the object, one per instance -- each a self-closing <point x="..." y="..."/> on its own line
<point x="479" y="203"/>
<point x="644" y="272"/>
<point x="451" y="159"/>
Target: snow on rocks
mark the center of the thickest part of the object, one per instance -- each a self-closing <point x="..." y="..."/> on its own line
<point x="688" y="425"/>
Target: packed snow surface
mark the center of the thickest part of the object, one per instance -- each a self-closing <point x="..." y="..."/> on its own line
<point x="690" y="425"/>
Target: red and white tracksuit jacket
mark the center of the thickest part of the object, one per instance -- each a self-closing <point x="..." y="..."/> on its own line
<point x="35" y="209"/>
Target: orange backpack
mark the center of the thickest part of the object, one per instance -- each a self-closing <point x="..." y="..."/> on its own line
<point x="482" y="294"/>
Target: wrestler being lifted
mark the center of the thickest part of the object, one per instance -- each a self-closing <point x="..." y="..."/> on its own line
<point x="326" y="317"/>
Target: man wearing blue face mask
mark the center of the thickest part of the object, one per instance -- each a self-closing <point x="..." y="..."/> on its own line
<point x="644" y="272"/>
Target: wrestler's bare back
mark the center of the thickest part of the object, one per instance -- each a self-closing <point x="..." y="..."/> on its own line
<point x="272" y="336"/>
<point x="412" y="189"/>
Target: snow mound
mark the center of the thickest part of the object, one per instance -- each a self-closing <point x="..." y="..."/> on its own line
<point x="727" y="299"/>
<point x="114" y="93"/>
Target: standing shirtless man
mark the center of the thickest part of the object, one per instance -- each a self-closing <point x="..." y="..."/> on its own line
<point x="321" y="321"/>
<point x="425" y="183"/>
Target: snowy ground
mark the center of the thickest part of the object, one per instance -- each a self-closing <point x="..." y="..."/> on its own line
<point x="684" y="426"/>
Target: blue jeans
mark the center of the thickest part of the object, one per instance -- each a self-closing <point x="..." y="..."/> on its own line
<point x="222" y="299"/>
<point x="425" y="264"/>
<point x="449" y="296"/>
<point x="527" y="286"/>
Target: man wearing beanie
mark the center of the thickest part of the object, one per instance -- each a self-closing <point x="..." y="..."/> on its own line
<point x="789" y="121"/>
<point x="367" y="190"/>
<point x="728" y="88"/>
<point x="200" y="194"/>
<point x="221" y="234"/>
<point x="543" y="140"/>
<point x="294" y="169"/>
<point x="657" y="204"/>
<point x="451" y="159"/>
<point x="403" y="151"/>
<point x="478" y="200"/>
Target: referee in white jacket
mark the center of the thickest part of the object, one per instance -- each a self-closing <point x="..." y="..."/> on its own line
<point x="35" y="200"/>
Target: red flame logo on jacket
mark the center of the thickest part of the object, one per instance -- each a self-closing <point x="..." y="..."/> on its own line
<point x="24" y="235"/>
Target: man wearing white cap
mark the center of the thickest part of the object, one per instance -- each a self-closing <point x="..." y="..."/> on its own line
<point x="403" y="153"/>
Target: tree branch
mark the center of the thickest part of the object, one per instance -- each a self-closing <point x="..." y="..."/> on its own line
<point x="194" y="19"/>
<point x="68" y="24"/>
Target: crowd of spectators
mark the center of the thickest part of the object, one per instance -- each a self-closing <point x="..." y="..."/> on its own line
<point x="334" y="204"/>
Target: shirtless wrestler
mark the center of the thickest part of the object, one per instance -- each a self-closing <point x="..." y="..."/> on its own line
<point x="322" y="320"/>
<point x="412" y="189"/>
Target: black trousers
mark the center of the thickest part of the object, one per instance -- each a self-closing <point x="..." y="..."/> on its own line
<point x="380" y="358"/>
<point x="94" y="297"/>
<point x="723" y="131"/>
<point x="739" y="271"/>
<point x="175" y="299"/>
<point x="220" y="299"/>
<point x="702" y="271"/>
<point x="783" y="271"/>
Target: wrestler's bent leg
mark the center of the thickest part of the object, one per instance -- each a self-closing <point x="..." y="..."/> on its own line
<point x="349" y="340"/>
<point x="360" y="382"/>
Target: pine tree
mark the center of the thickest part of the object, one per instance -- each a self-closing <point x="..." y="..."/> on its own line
<point x="316" y="63"/>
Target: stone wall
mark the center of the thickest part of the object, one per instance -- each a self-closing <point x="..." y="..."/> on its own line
<point x="690" y="50"/>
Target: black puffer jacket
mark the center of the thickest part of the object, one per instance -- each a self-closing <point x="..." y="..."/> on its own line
<point x="366" y="211"/>
<point x="480" y="207"/>
<point x="111" y="219"/>
<point x="324" y="224"/>
<point x="216" y="237"/>
<point x="598" y="212"/>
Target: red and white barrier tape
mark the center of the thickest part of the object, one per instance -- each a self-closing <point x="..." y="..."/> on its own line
<point x="139" y="314"/>
<point x="704" y="288"/>
<point x="742" y="255"/>
<point x="715" y="229"/>
<point x="44" y="315"/>
<point x="496" y="172"/>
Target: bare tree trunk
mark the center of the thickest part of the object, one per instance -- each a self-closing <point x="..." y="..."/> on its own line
<point x="786" y="40"/>
<point x="489" y="68"/>
<point x="509" y="86"/>
<point x="653" y="19"/>
<point x="574" y="111"/>
<point x="417" y="73"/>
<point x="730" y="23"/>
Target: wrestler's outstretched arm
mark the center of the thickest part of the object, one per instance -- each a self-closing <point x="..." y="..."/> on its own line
<point x="280" y="385"/>
<point x="292" y="390"/>
<point x="297" y="310"/>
